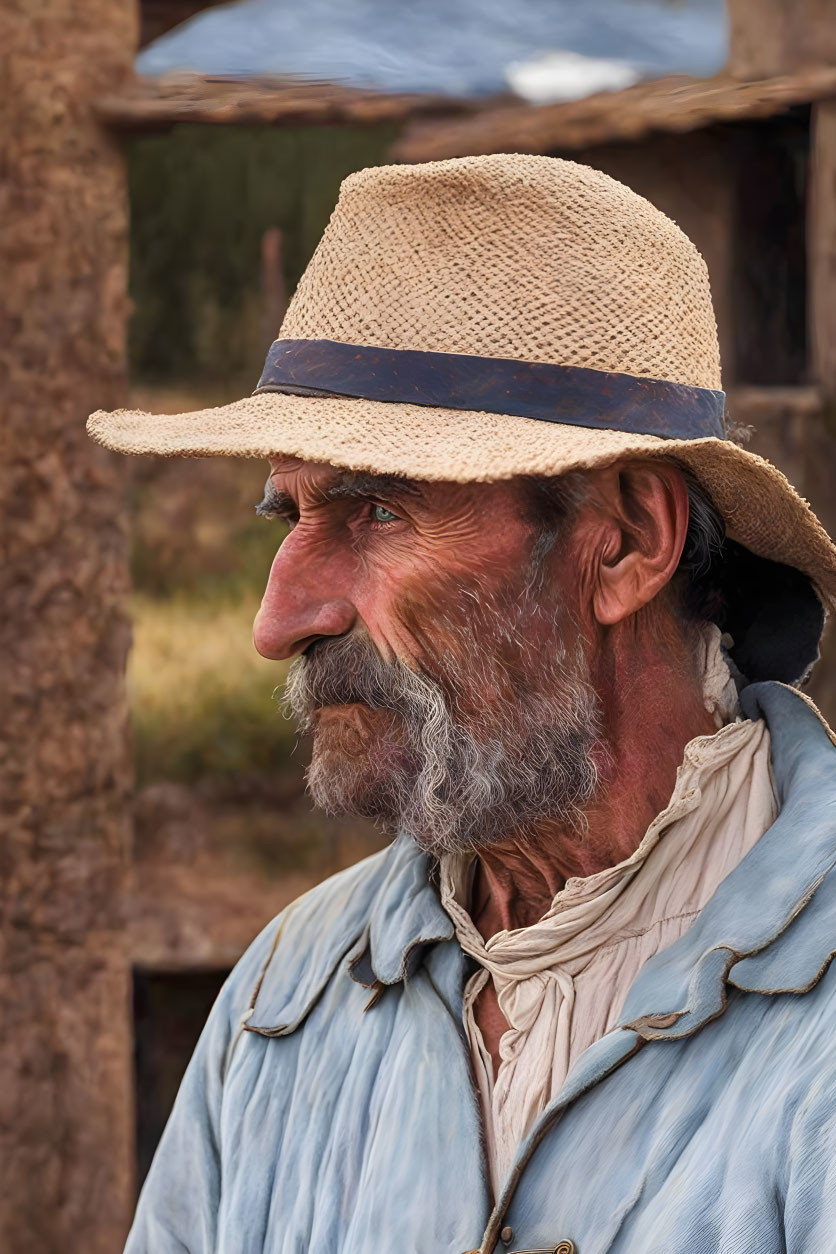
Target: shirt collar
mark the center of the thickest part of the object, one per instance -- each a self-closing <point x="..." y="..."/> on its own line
<point x="760" y="930"/>
<point x="406" y="916"/>
<point x="755" y="933"/>
<point x="377" y="917"/>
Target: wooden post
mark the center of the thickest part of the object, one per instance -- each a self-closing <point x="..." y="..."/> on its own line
<point x="821" y="249"/>
<point x="66" y="1140"/>
<point x="769" y="37"/>
<point x="820" y="441"/>
<point x="273" y="295"/>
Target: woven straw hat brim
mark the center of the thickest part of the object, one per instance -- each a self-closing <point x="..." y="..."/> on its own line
<point x="761" y="509"/>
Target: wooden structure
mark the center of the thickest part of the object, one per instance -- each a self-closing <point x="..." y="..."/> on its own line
<point x="66" y="1108"/>
<point x="157" y="104"/>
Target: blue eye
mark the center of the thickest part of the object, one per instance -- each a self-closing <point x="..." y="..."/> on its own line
<point x="381" y="514"/>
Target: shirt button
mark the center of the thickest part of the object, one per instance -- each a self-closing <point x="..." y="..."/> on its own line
<point x="507" y="1235"/>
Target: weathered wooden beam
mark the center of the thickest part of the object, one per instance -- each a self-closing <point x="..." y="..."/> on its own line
<point x="149" y="104"/>
<point x="674" y="104"/>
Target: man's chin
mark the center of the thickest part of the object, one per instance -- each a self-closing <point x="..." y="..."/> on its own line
<point x="358" y="764"/>
<point x="348" y="789"/>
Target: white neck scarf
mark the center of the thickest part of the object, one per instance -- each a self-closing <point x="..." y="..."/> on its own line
<point x="561" y="982"/>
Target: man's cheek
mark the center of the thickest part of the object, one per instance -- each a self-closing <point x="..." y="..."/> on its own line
<point x="471" y="639"/>
<point x="427" y="625"/>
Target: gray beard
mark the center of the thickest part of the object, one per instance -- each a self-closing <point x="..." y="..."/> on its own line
<point x="461" y="762"/>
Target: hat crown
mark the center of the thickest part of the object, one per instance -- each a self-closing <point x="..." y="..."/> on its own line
<point x="523" y="257"/>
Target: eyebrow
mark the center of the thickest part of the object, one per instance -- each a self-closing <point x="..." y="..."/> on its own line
<point x="360" y="483"/>
<point x="278" y="504"/>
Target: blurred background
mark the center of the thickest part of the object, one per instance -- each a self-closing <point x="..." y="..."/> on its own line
<point x="168" y="167"/>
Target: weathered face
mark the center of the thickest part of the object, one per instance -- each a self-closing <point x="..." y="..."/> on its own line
<point x="440" y="672"/>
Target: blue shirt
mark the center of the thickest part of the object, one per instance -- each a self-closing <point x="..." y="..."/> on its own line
<point x="329" y="1107"/>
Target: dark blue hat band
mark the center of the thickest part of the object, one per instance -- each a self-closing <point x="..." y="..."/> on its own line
<point x="572" y="395"/>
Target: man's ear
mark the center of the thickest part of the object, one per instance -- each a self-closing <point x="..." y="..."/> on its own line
<point x="644" y="517"/>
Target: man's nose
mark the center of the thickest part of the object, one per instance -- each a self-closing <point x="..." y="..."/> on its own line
<point x="300" y="605"/>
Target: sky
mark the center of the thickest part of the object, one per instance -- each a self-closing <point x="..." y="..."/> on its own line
<point x="543" y="49"/>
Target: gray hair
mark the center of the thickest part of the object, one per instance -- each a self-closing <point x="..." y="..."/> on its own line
<point x="699" y="575"/>
<point x="554" y="501"/>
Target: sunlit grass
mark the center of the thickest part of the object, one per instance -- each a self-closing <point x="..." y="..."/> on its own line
<point x="201" y="697"/>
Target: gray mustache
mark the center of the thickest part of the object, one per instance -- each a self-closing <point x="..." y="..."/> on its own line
<point x="345" y="671"/>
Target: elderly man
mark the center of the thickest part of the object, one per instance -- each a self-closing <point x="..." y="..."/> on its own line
<point x="547" y="618"/>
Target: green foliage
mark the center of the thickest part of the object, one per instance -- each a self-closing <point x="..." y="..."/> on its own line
<point x="201" y="199"/>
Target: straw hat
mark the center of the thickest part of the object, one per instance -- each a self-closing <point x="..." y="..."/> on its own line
<point x="487" y="317"/>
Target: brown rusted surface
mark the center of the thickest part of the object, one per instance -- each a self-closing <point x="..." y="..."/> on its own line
<point x="676" y="103"/>
<point x="148" y="104"/>
<point x="65" y="1050"/>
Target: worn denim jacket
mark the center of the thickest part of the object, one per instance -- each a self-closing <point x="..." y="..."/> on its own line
<point x="329" y="1107"/>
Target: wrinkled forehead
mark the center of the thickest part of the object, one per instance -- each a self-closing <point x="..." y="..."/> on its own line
<point x="323" y="480"/>
<point x="285" y="472"/>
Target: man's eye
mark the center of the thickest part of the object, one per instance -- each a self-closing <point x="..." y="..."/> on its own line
<point x="381" y="514"/>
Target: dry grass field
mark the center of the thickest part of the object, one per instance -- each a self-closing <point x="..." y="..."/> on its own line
<point x="201" y="697"/>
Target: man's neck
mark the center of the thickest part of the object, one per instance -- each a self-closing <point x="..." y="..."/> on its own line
<point x="652" y="706"/>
